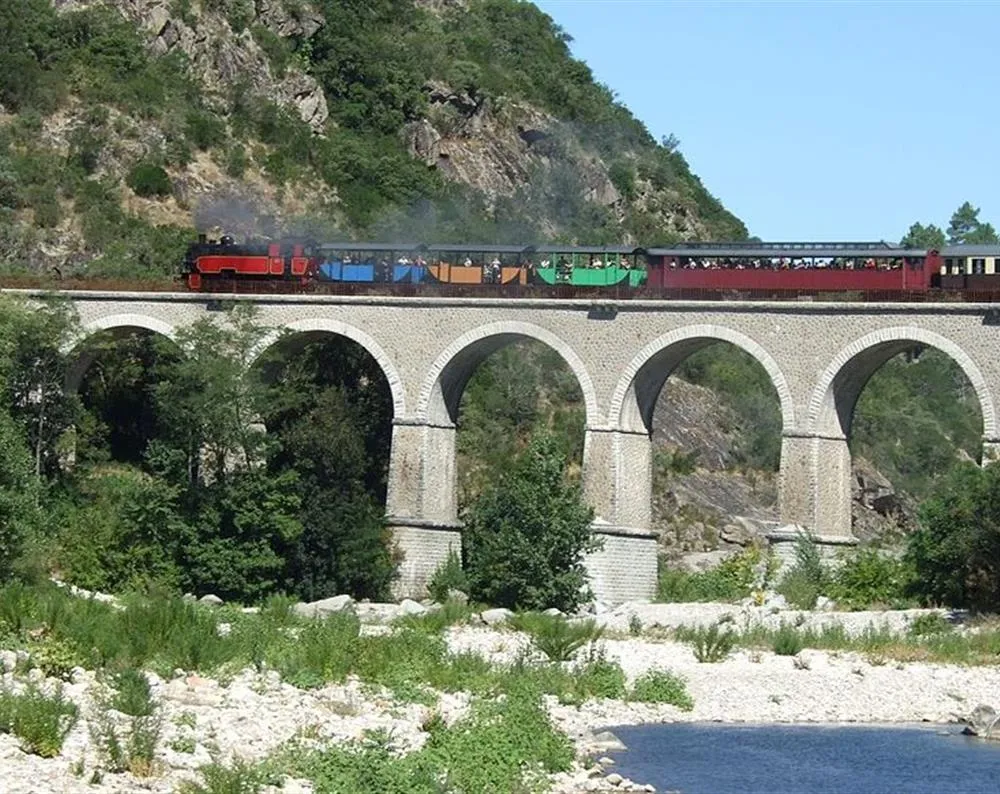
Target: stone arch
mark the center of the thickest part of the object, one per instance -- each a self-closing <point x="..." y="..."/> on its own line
<point x="831" y="408"/>
<point x="634" y="398"/>
<point x="443" y="386"/>
<point x="320" y="325"/>
<point x="122" y="323"/>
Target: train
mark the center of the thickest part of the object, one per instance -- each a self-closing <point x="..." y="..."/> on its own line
<point x="683" y="269"/>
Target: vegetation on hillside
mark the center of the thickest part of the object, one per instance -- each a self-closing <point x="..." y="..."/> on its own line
<point x="93" y="119"/>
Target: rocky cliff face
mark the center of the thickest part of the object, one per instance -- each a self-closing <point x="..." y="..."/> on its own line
<point x="703" y="500"/>
<point x="221" y="57"/>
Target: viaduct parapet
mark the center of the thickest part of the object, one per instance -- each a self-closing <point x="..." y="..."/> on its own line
<point x="818" y="355"/>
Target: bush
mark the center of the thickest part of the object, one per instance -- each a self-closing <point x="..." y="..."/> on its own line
<point x="787" y="641"/>
<point x="18" y="488"/>
<point x="806" y="580"/>
<point x="661" y="686"/>
<point x="600" y="678"/>
<point x="40" y="721"/>
<point x="240" y="778"/>
<point x="869" y="577"/>
<point x="203" y="129"/>
<point x="712" y="645"/>
<point x="149" y="179"/>
<point x="526" y="536"/>
<point x="448" y="576"/>
<point x="559" y="639"/>
<point x="134" y="748"/>
<point x="929" y="625"/>
<point x="732" y="580"/>
<point x="955" y="553"/>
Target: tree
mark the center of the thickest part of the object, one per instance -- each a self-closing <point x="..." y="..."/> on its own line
<point x="526" y="535"/>
<point x="33" y="366"/>
<point x="984" y="234"/>
<point x="18" y="490"/>
<point x="208" y="399"/>
<point x="920" y="236"/>
<point x="330" y="411"/>
<point x="966" y="228"/>
<point x="956" y="551"/>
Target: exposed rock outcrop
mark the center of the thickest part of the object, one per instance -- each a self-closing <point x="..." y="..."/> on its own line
<point x="222" y="58"/>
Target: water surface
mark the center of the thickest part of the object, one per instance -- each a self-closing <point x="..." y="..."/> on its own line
<point x="711" y="758"/>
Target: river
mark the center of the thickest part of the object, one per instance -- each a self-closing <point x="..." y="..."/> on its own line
<point x="807" y="759"/>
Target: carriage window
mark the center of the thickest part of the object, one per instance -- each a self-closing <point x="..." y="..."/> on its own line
<point x="979" y="266"/>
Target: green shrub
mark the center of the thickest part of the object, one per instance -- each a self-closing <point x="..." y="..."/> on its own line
<point x="526" y="536"/>
<point x="203" y="129"/>
<point x="240" y="778"/>
<point x="448" y="576"/>
<point x="130" y="747"/>
<point x="434" y="621"/>
<point x="731" y="580"/>
<point x="955" y="550"/>
<point x="501" y="746"/>
<point x="712" y="645"/>
<point x="148" y="179"/>
<point x="132" y="693"/>
<point x="40" y="721"/>
<point x="787" y="641"/>
<point x="599" y="677"/>
<point x="869" y="577"/>
<point x="55" y="658"/>
<point x="661" y="686"/>
<point x="930" y="625"/>
<point x="559" y="639"/>
<point x="807" y="579"/>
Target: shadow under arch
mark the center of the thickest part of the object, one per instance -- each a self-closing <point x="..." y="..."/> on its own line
<point x="442" y="390"/>
<point x="635" y="395"/>
<point x="315" y="327"/>
<point x="831" y="408"/>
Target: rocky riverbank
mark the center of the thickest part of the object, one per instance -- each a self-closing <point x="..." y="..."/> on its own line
<point x="251" y="714"/>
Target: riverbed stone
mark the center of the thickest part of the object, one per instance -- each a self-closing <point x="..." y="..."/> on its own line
<point x="491" y="617"/>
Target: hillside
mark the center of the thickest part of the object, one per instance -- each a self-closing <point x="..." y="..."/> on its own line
<point x="126" y="124"/>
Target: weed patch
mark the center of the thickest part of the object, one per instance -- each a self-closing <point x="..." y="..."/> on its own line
<point x="559" y="639"/>
<point x="41" y="722"/>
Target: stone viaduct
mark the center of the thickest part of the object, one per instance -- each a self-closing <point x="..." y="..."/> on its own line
<point x="818" y="356"/>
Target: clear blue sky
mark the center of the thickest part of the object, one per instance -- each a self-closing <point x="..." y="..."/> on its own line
<point x="812" y="120"/>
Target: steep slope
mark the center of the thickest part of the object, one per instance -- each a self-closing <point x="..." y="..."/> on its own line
<point x="124" y="124"/>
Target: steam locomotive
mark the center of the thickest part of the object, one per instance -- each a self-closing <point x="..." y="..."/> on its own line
<point x="686" y="269"/>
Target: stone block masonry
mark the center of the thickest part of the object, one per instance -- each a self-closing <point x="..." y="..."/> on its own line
<point x="818" y="356"/>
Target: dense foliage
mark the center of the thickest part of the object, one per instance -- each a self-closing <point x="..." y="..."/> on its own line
<point x="525" y="537"/>
<point x="956" y="551"/>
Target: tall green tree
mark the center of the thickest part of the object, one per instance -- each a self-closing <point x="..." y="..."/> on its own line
<point x="19" y="513"/>
<point x="330" y="411"/>
<point x="920" y="236"/>
<point x="965" y="228"/>
<point x="527" y="534"/>
<point x="33" y="365"/>
<point x="956" y="551"/>
<point x="209" y="398"/>
<point x="240" y="516"/>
